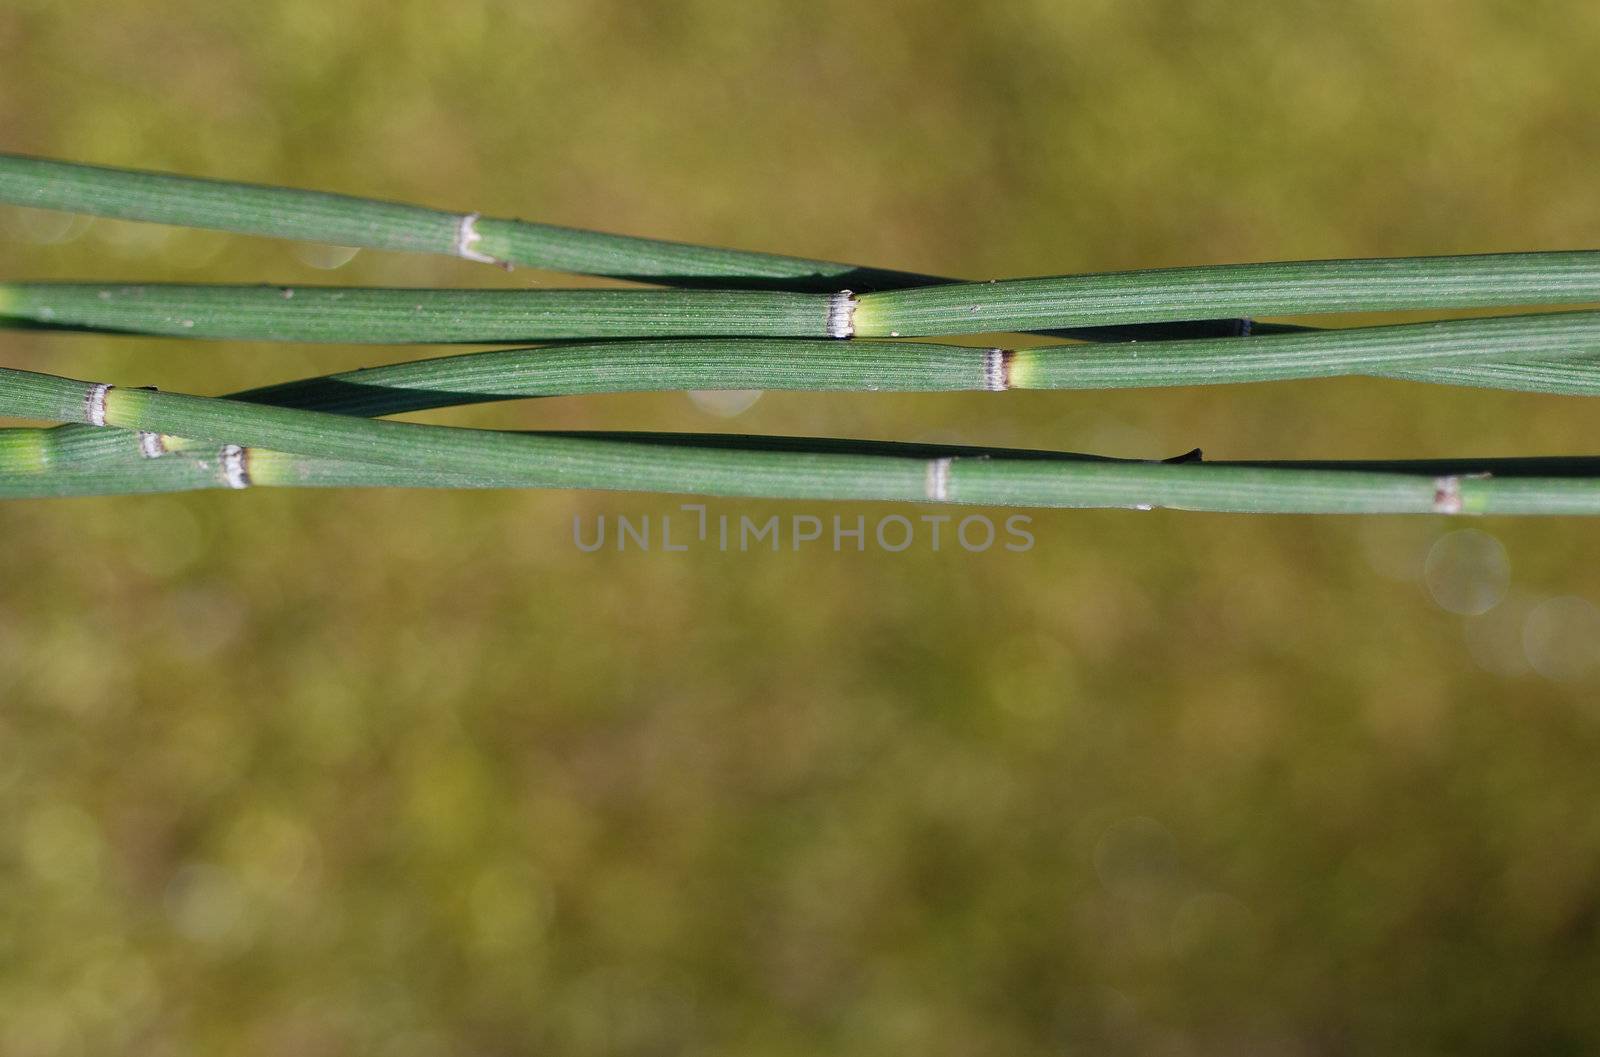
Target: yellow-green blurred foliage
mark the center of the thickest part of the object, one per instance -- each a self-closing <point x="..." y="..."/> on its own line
<point x="407" y="773"/>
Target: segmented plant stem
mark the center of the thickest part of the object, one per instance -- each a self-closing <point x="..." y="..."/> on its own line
<point x="733" y="469"/>
<point x="353" y="315"/>
<point x="263" y="439"/>
<point x="346" y="220"/>
<point x="1411" y="350"/>
<point x="319" y="216"/>
<point x="401" y="316"/>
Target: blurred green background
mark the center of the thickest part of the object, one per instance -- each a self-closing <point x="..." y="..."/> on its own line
<point x="408" y="773"/>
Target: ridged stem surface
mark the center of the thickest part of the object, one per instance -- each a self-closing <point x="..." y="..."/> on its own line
<point x="1281" y="288"/>
<point x="763" y="470"/>
<point x="366" y="315"/>
<point x="319" y="216"/>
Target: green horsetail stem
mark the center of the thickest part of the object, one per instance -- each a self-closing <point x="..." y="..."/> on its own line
<point x="1413" y="349"/>
<point x="390" y="316"/>
<point x="1423" y="351"/>
<point x="1505" y="486"/>
<point x="319" y="216"/>
<point x="344" y="220"/>
<point x="1578" y="377"/>
<point x="1449" y="350"/>
<point x="33" y="467"/>
<point x="1287" y="288"/>
<point x="765" y="470"/>
<point x="354" y="315"/>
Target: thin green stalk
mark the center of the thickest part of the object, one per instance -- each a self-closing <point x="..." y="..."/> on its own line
<point x="344" y="220"/>
<point x="630" y="366"/>
<point x="1433" y="351"/>
<point x="1577" y="377"/>
<point x="769" y="471"/>
<point x="1426" y="351"/>
<point x="1536" y="485"/>
<point x="405" y="316"/>
<point x="352" y="315"/>
<point x="318" y="216"/>
<point x="1287" y="288"/>
<point x="796" y="364"/>
<point x="877" y="366"/>
<point x="801" y="364"/>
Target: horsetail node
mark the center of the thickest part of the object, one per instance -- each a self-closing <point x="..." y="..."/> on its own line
<point x="841" y="315"/>
<point x="996" y="370"/>
<point x="94" y="404"/>
<point x="939" y="480"/>
<point x="1447" y="495"/>
<point x="235" y="466"/>
<point x="467" y="237"/>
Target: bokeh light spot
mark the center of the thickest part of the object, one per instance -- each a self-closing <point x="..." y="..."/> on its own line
<point x="1467" y="572"/>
